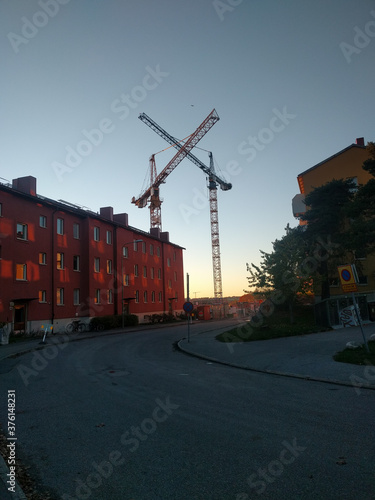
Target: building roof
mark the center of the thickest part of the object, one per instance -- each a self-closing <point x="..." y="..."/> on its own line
<point x="331" y="157"/>
<point x="81" y="211"/>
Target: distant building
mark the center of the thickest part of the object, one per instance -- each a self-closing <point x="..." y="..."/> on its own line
<point x="59" y="262"/>
<point x="245" y="306"/>
<point x="346" y="164"/>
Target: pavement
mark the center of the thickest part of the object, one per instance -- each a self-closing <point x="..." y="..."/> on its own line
<point x="307" y="357"/>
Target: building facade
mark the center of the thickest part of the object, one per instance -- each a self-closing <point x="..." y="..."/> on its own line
<point x="346" y="164"/>
<point x="59" y="262"/>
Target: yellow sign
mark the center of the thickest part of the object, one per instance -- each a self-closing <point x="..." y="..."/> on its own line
<point x="347" y="278"/>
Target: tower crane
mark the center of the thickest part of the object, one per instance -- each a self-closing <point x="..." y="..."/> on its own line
<point x="152" y="192"/>
<point x="213" y="181"/>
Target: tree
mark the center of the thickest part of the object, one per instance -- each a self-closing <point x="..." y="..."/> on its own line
<point x="362" y="210"/>
<point x="326" y="217"/>
<point x="279" y="276"/>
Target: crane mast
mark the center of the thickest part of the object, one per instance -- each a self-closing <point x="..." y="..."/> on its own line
<point x="215" y="241"/>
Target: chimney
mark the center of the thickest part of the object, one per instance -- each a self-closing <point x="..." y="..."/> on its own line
<point x="155" y="231"/>
<point x="164" y="236"/>
<point x="360" y="141"/>
<point x="121" y="219"/>
<point x="25" y="185"/>
<point x="106" y="212"/>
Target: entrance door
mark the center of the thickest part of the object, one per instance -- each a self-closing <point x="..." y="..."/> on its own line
<point x="19" y="317"/>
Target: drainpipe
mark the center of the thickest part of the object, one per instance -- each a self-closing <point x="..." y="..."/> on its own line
<point x="53" y="268"/>
<point x="163" y="268"/>
<point x="115" y="270"/>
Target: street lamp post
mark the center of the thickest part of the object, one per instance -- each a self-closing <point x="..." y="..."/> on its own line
<point x="122" y="280"/>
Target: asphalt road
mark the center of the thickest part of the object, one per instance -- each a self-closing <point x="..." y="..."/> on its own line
<point x="127" y="417"/>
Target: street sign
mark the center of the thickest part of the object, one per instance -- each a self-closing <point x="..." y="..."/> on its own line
<point x="188" y="307"/>
<point x="347" y="278"/>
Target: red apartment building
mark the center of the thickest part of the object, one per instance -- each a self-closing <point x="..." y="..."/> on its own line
<point x="59" y="262"/>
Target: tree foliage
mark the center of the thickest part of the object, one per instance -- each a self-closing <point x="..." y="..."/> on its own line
<point x="279" y="276"/>
<point x="340" y="225"/>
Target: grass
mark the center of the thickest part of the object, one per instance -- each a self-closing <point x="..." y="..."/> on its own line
<point x="276" y="326"/>
<point x="358" y="356"/>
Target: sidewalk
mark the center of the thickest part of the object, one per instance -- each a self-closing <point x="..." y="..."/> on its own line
<point x="304" y="356"/>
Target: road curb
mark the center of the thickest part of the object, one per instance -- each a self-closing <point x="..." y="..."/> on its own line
<point x="270" y="372"/>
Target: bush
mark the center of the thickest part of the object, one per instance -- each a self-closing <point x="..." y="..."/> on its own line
<point x="113" y="321"/>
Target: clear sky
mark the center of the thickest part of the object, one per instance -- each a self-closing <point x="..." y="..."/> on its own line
<point x="292" y="82"/>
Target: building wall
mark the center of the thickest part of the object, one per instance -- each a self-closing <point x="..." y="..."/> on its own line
<point x="344" y="165"/>
<point x="75" y="265"/>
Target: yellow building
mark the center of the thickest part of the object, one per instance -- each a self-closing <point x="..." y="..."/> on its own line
<point x="346" y="164"/>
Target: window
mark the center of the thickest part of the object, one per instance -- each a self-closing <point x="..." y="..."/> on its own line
<point x="76" y="298"/>
<point x="135" y="269"/>
<point x="97" y="296"/>
<point x="160" y="296"/>
<point x="42" y="221"/>
<point x="60" y="226"/>
<point x="135" y="246"/>
<point x="125" y="252"/>
<point x="152" y="296"/>
<point x="144" y="271"/>
<point x="76" y="232"/>
<point x="22" y="231"/>
<point x="169" y="283"/>
<point x="137" y="296"/>
<point x="152" y="271"/>
<point x="42" y="258"/>
<point x="109" y="237"/>
<point x="143" y="247"/>
<point x="151" y="249"/>
<point x="159" y="273"/>
<point x="42" y="296"/>
<point x="21" y="272"/>
<point x="126" y="280"/>
<point x="76" y="263"/>
<point x="1" y="209"/>
<point x="97" y="265"/>
<point x="110" y="296"/>
<point x="158" y="251"/>
<point x="96" y="233"/>
<point x="362" y="279"/>
<point x="60" y="297"/>
<point x="174" y="256"/>
<point x="109" y="267"/>
<point x="354" y="180"/>
<point x="175" y="276"/>
<point x="169" y="262"/>
<point x="60" y="260"/>
<point x="145" y="297"/>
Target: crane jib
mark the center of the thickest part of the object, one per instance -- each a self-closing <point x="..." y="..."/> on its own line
<point x="183" y="151"/>
<point x="225" y="186"/>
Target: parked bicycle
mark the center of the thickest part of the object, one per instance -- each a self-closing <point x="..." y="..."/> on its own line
<point x="76" y="326"/>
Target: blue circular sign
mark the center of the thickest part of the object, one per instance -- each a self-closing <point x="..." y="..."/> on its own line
<point x="346" y="275"/>
<point x="188" y="307"/>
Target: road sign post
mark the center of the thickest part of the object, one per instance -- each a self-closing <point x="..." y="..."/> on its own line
<point x="348" y="279"/>
<point x="188" y="306"/>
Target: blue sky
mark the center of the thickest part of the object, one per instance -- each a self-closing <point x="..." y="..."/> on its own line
<point x="292" y="82"/>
